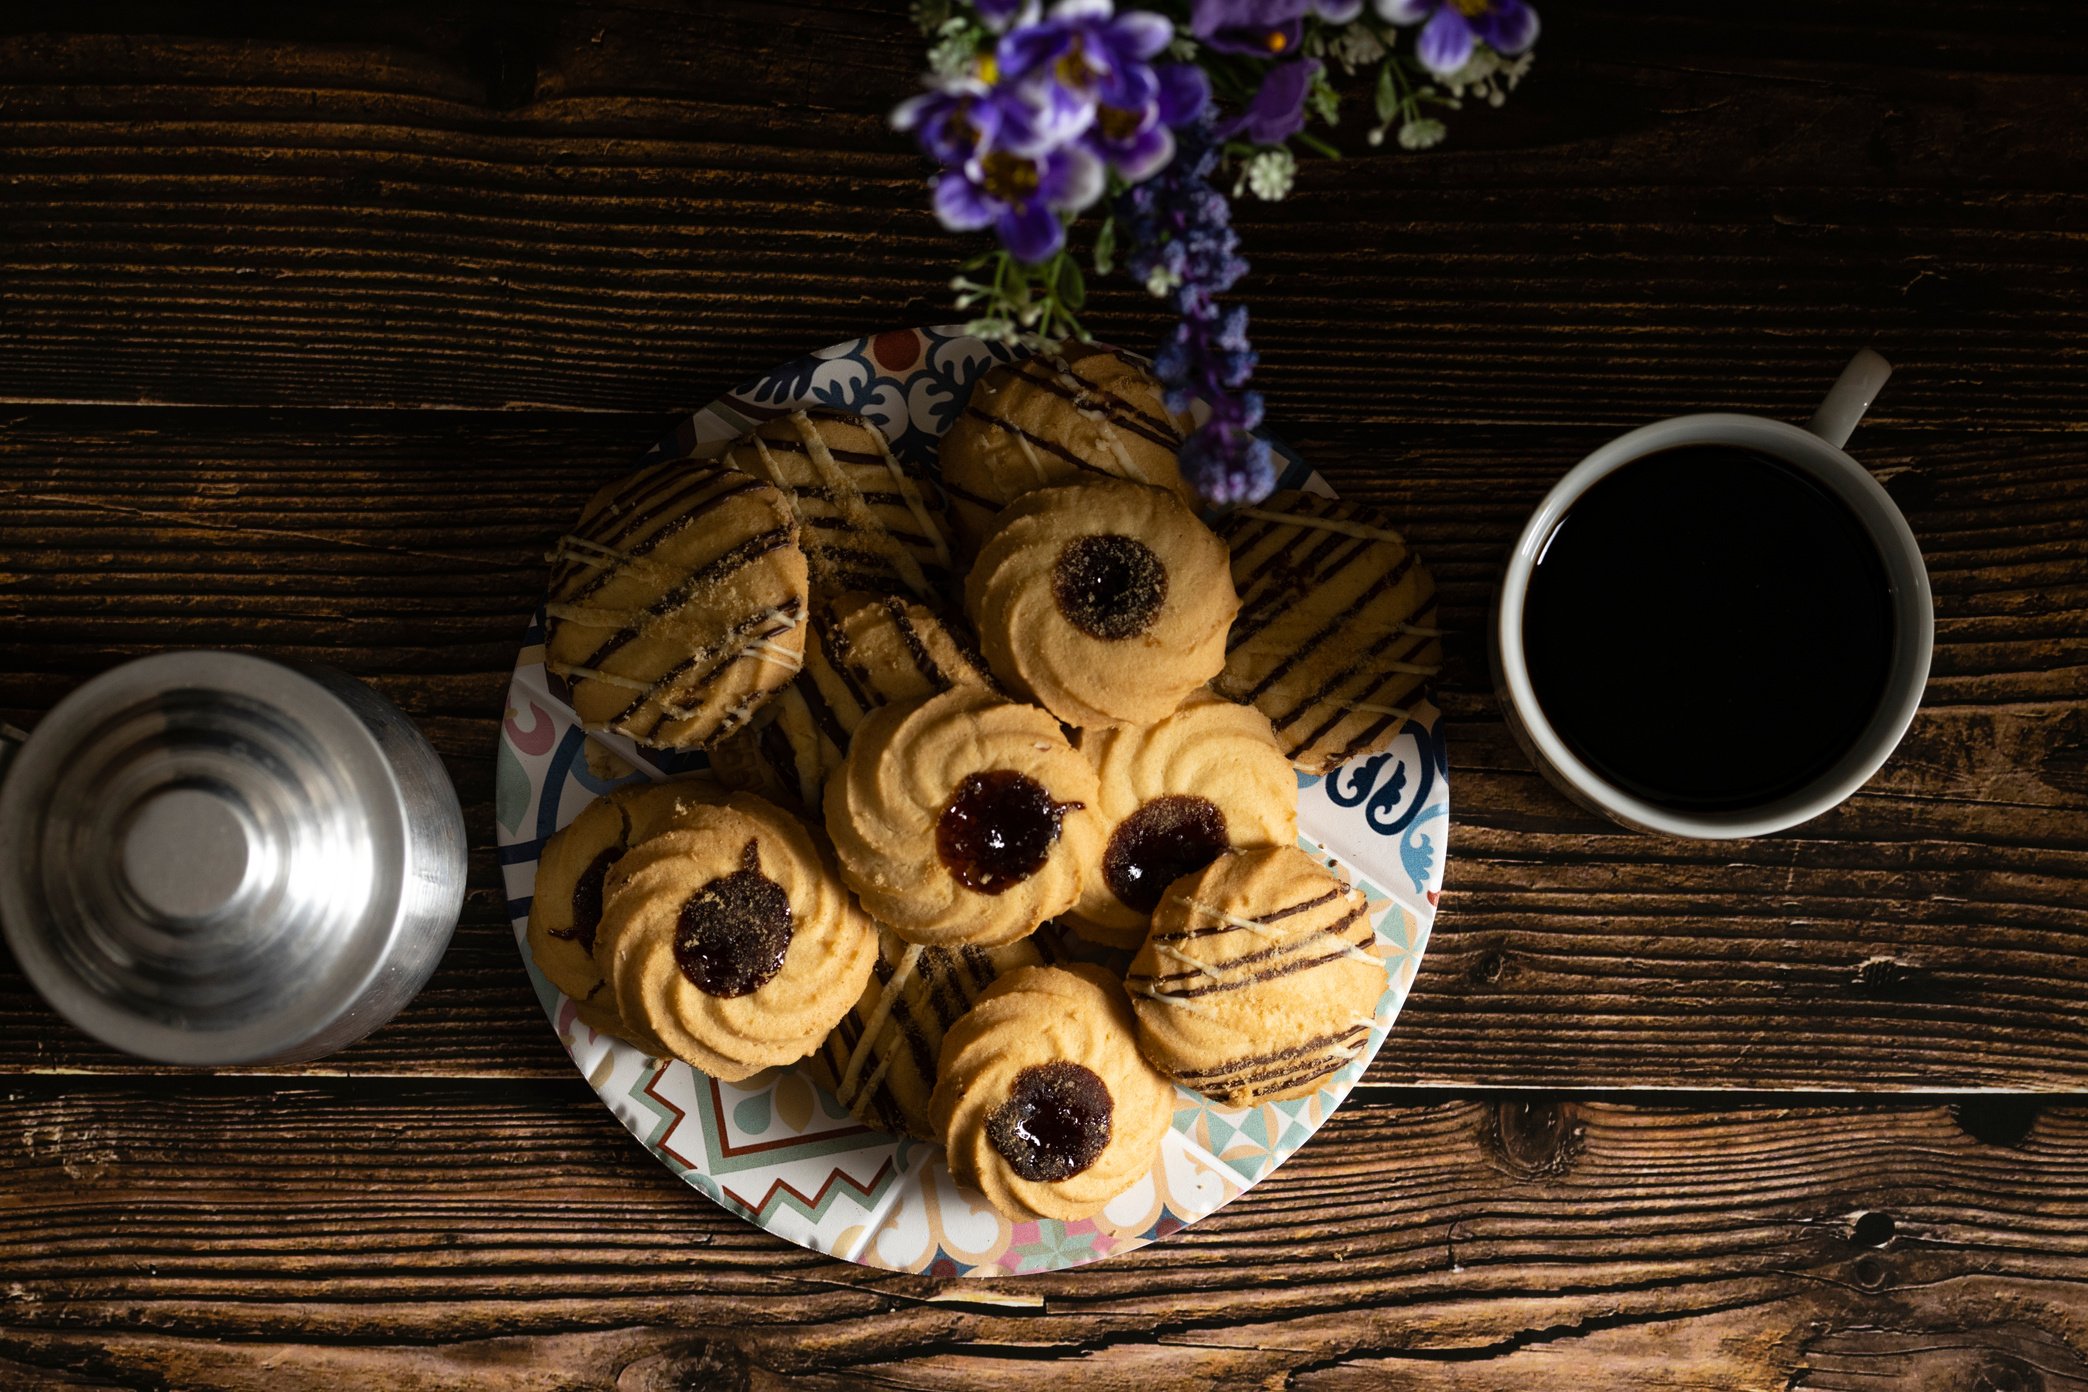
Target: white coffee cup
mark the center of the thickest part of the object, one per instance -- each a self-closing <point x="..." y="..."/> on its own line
<point x="1817" y="452"/>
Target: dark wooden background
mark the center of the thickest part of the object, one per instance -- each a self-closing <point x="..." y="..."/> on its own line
<point x="318" y="322"/>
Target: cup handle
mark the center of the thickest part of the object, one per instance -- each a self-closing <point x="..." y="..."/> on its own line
<point x="11" y="740"/>
<point x="1849" y="397"/>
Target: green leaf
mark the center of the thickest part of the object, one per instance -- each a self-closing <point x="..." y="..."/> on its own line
<point x="1105" y="247"/>
<point x="1387" y="93"/>
<point x="1324" y="100"/>
<point x="1071" y="285"/>
<point x="1313" y="142"/>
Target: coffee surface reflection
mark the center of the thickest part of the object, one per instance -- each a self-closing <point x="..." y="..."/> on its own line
<point x="1709" y="628"/>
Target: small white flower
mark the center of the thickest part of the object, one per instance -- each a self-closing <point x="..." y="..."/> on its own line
<point x="953" y="56"/>
<point x="1488" y="76"/>
<point x="1271" y="172"/>
<point x="1422" y="133"/>
<point x="1357" y="47"/>
<point x="1161" y="281"/>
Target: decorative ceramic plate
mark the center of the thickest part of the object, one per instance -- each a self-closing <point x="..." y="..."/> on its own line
<point x="780" y="1151"/>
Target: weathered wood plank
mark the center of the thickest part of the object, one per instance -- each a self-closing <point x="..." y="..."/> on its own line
<point x="422" y="1235"/>
<point x="1927" y="935"/>
<point x="616" y="206"/>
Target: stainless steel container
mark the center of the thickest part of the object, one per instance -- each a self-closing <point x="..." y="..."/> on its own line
<point x="211" y="858"/>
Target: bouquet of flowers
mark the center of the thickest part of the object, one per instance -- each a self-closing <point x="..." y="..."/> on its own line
<point x="1159" y="115"/>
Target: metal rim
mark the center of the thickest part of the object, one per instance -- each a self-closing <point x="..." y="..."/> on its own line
<point x="310" y="1003"/>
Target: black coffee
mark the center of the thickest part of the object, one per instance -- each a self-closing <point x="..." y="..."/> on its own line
<point x="1708" y="628"/>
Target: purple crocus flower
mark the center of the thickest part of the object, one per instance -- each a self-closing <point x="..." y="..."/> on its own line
<point x="1454" y="27"/>
<point x="999" y="14"/>
<point x="962" y="116"/>
<point x="1018" y="197"/>
<point x="1262" y="28"/>
<point x="1277" y="110"/>
<point x="1079" y="57"/>
<point x="1137" y="144"/>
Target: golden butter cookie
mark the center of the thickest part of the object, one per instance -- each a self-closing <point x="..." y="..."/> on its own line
<point x="962" y="818"/>
<point x="1107" y="602"/>
<point x="1336" y="634"/>
<point x="598" y="1013"/>
<point x="1174" y="796"/>
<point x="880" y="1061"/>
<point x="566" y="904"/>
<point x="677" y="604"/>
<point x="1260" y="977"/>
<point x="866" y="521"/>
<point x="731" y="940"/>
<point x="1049" y="420"/>
<point x="864" y="652"/>
<point x="1044" y="1103"/>
<point x="785" y="755"/>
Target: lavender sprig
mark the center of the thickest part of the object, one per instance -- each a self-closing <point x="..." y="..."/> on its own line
<point x="1178" y="227"/>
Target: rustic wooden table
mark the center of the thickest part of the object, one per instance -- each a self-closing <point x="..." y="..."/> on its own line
<point x="318" y="322"/>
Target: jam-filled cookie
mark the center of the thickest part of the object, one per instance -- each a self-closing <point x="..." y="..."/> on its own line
<point x="731" y="940"/>
<point x="1337" y="628"/>
<point x="598" y="1013"/>
<point x="867" y="521"/>
<point x="1045" y="1104"/>
<point x="880" y="1061"/>
<point x="677" y="604"/>
<point x="1051" y="420"/>
<point x="572" y="869"/>
<point x="1259" y="978"/>
<point x="962" y="818"/>
<point x="866" y="651"/>
<point x="1107" y="602"/>
<point x="1174" y="796"/>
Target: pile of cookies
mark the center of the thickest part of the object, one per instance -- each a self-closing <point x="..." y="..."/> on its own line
<point x="942" y="712"/>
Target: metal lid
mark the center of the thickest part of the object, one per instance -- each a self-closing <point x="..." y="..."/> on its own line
<point x="201" y="857"/>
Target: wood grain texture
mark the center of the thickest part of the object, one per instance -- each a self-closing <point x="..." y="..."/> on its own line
<point x="614" y="206"/>
<point x="1927" y="935"/>
<point x="318" y="323"/>
<point x="427" y="1235"/>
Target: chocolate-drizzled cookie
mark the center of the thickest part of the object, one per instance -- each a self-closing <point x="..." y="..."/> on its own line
<point x="1259" y="977"/>
<point x="1055" y="419"/>
<point x="880" y="1061"/>
<point x="864" y="652"/>
<point x="677" y="604"/>
<point x="1106" y="602"/>
<point x="1336" y="634"/>
<point x="1044" y="1103"/>
<point x="866" y="520"/>
<point x="731" y="940"/>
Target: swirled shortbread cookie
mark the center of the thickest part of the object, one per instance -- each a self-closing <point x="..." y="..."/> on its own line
<point x="1050" y="420"/>
<point x="1259" y="978"/>
<point x="677" y="604"/>
<point x="1337" y="628"/>
<point x="573" y="867"/>
<point x="962" y="818"/>
<point x="864" y="652"/>
<point x="866" y="520"/>
<point x="598" y="1013"/>
<point x="1045" y="1104"/>
<point x="1174" y="796"/>
<point x="1107" y="602"/>
<point x="731" y="940"/>
<point x="880" y="1061"/>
